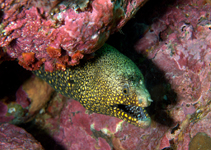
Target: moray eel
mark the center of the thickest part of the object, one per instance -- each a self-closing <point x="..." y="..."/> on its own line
<point x="109" y="84"/>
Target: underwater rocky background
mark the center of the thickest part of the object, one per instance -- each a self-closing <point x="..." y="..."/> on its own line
<point x="170" y="43"/>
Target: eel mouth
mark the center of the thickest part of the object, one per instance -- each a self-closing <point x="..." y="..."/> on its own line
<point x="136" y="112"/>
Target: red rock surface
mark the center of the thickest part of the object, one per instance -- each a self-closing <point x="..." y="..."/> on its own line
<point x="59" y="33"/>
<point x="13" y="137"/>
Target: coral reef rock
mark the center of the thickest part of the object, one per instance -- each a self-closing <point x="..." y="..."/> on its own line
<point x="59" y="33"/>
<point x="13" y="137"/>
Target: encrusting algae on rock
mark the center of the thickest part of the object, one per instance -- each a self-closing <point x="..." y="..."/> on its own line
<point x="109" y="84"/>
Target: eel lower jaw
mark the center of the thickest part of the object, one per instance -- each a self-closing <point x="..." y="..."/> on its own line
<point x="144" y="123"/>
<point x="139" y="114"/>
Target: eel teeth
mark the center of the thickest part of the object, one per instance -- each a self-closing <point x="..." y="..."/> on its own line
<point x="134" y="111"/>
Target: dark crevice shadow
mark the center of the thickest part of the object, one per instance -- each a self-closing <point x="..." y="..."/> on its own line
<point x="12" y="77"/>
<point x="157" y="85"/>
<point x="1" y="16"/>
<point x="42" y="136"/>
<point x="161" y="94"/>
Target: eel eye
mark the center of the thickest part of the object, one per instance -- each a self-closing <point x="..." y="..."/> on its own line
<point x="125" y="90"/>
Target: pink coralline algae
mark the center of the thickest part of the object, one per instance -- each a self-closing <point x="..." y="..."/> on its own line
<point x="60" y="33"/>
<point x="12" y="137"/>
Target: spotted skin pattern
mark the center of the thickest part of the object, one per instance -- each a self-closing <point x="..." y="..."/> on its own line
<point x="109" y="84"/>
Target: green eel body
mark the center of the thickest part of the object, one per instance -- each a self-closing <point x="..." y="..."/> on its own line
<point x="109" y="84"/>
